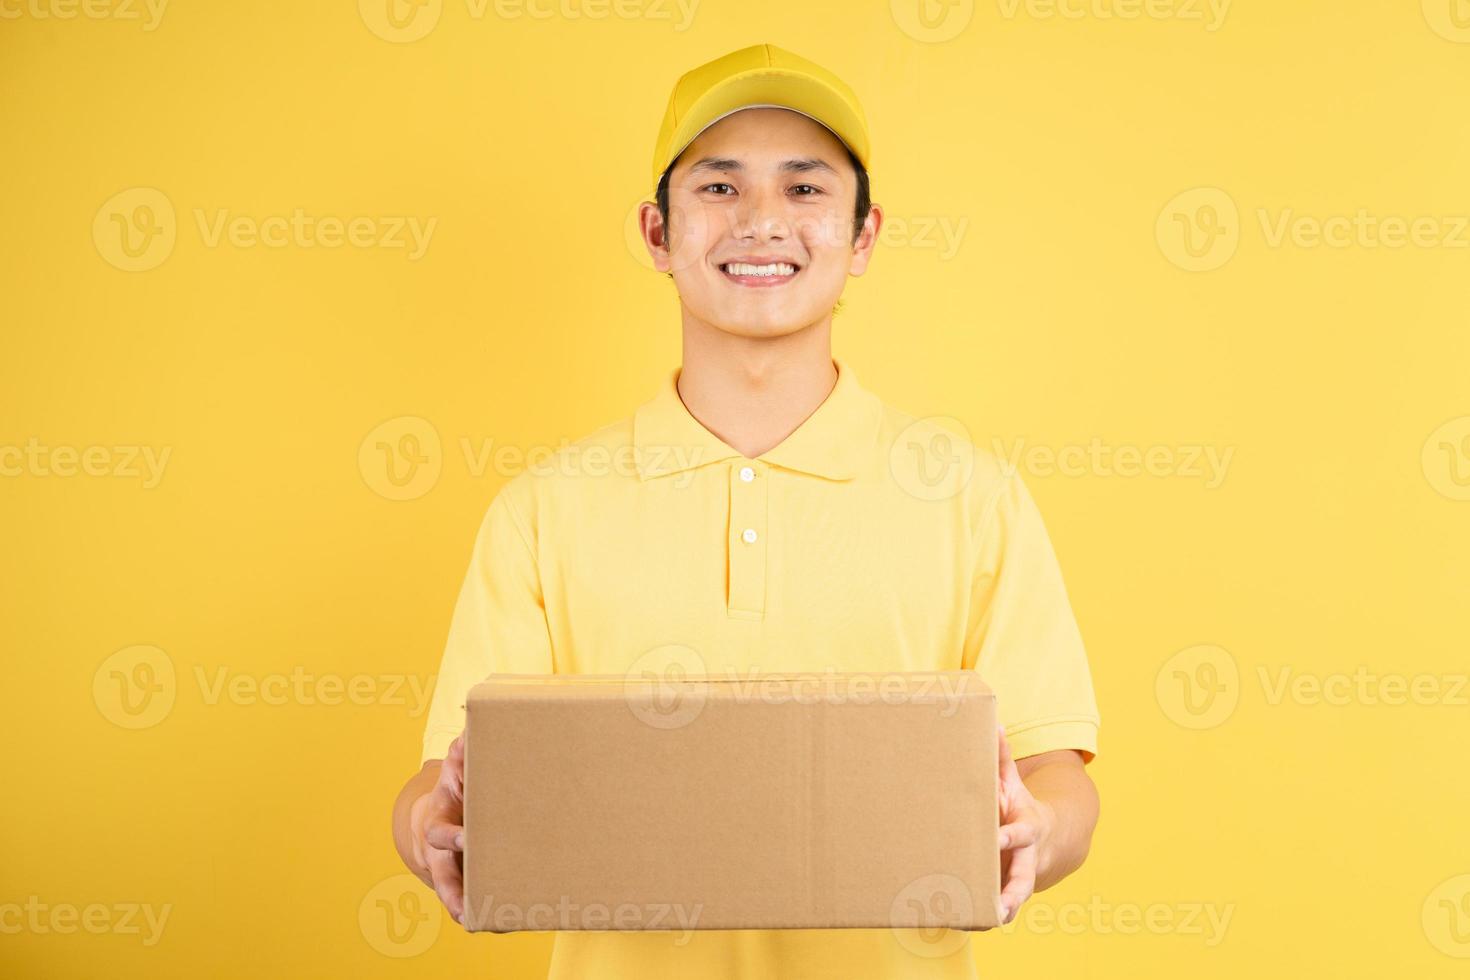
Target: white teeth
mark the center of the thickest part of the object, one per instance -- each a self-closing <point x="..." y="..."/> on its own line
<point x="775" y="269"/>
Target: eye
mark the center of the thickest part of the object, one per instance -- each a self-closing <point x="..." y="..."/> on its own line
<point x="707" y="187"/>
<point x="811" y="187"/>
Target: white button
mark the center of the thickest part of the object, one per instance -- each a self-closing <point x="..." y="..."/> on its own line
<point x="748" y="535"/>
<point x="747" y="474"/>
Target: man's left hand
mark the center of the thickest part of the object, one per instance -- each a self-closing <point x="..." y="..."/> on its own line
<point x="1025" y="826"/>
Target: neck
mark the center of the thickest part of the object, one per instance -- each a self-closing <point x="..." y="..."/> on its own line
<point x="753" y="392"/>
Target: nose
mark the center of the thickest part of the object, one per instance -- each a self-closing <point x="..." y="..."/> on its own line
<point x="761" y="216"/>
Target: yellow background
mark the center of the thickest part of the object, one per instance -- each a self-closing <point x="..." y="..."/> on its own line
<point x="1331" y="834"/>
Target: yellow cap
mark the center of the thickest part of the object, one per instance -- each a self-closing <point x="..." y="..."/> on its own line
<point x="760" y="75"/>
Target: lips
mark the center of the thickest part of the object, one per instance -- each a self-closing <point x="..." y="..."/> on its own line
<point x="760" y="272"/>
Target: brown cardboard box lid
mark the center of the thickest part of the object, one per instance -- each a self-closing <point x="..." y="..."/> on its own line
<point x="794" y="800"/>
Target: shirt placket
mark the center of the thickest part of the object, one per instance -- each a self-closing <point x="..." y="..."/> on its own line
<point x="749" y="541"/>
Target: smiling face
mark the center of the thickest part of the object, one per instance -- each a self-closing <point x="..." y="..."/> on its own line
<point x="761" y="216"/>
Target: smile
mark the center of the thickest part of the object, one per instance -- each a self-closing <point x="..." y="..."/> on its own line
<point x="769" y="274"/>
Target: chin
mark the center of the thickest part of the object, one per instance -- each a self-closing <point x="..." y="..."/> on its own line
<point x="758" y="327"/>
<point x="772" y="319"/>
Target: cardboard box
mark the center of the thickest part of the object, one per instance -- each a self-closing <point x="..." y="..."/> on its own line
<point x="762" y="802"/>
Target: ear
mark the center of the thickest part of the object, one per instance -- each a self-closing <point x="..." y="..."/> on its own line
<point x="655" y="236"/>
<point x="867" y="240"/>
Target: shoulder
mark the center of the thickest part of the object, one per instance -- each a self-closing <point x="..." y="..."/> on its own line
<point x="552" y="474"/>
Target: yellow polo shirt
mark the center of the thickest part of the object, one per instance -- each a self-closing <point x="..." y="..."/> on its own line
<point x="868" y="540"/>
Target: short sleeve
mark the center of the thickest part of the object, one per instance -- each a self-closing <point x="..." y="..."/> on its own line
<point x="499" y="624"/>
<point x="1021" y="635"/>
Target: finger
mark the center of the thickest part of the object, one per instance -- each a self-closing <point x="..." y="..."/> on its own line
<point x="1007" y="763"/>
<point x="448" y="882"/>
<point x="1020" y="881"/>
<point x="451" y="771"/>
<point x="444" y="834"/>
<point x="1009" y="777"/>
<point x="451" y="781"/>
<point x="456" y="751"/>
<point x="449" y="790"/>
<point x="1018" y="833"/>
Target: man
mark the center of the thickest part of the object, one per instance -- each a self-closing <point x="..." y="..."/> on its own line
<point x="776" y="516"/>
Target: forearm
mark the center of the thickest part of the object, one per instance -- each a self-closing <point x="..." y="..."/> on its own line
<point x="408" y="808"/>
<point x="1070" y="803"/>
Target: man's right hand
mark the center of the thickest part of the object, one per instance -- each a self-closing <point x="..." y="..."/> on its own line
<point x="435" y="831"/>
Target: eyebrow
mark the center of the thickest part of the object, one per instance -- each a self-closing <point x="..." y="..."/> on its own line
<point x="799" y="165"/>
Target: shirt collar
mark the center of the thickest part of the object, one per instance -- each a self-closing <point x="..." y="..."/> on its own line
<point x="832" y="442"/>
